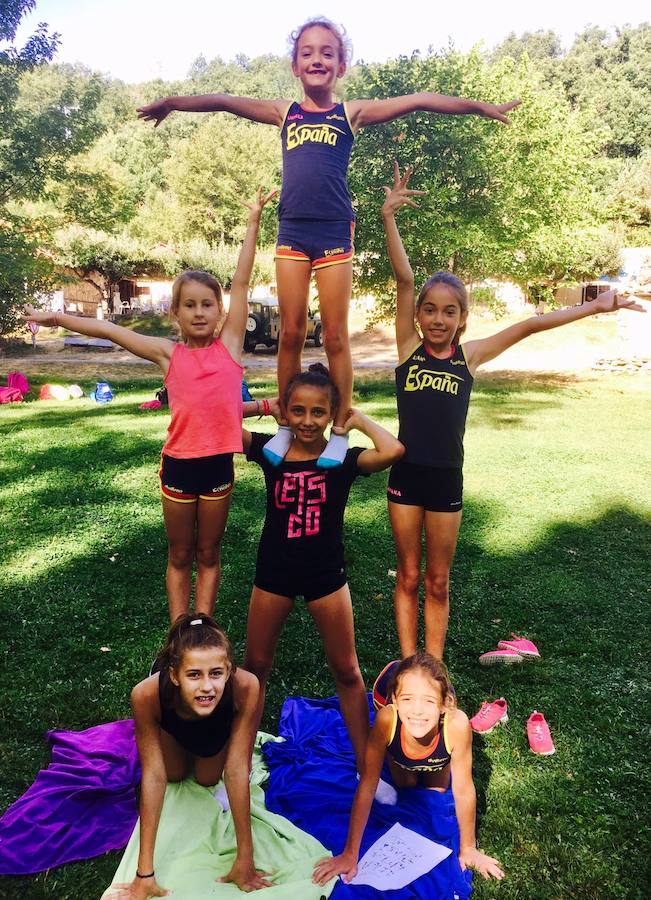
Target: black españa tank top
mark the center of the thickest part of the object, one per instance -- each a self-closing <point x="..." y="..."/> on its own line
<point x="433" y="396"/>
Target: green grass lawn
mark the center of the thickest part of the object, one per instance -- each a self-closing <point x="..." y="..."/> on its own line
<point x="555" y="544"/>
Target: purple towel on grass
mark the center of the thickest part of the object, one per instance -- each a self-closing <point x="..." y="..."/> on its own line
<point x="312" y="781"/>
<point x="82" y="805"/>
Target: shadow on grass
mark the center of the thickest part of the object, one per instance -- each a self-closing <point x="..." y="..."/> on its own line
<point x="566" y="825"/>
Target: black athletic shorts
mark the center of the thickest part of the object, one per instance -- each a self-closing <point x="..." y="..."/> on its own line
<point x="310" y="587"/>
<point x="436" y="490"/>
<point x="205" y="477"/>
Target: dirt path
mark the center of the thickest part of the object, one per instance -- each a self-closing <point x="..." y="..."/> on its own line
<point x="578" y="348"/>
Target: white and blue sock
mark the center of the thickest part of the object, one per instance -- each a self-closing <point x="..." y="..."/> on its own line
<point x="335" y="451"/>
<point x="274" y="450"/>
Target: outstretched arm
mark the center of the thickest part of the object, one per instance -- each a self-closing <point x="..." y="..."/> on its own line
<point x="399" y="195"/>
<point x="465" y="798"/>
<point x="346" y="863"/>
<point x="373" y="112"/>
<point x="268" y="112"/>
<point x="232" y="333"/>
<point x="157" y="350"/>
<point x="479" y="352"/>
<point x="386" y="448"/>
<point x="236" y="778"/>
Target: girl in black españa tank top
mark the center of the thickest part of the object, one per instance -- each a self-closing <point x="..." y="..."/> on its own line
<point x="434" y="378"/>
<point x="316" y="213"/>
<point x="195" y="714"/>
<point x="427" y="744"/>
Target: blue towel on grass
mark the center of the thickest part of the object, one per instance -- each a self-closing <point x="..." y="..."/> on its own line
<point x="312" y="781"/>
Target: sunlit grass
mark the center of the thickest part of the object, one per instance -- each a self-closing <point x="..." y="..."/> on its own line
<point x="555" y="543"/>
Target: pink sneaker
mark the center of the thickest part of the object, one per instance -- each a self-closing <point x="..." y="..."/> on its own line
<point x="489" y="715"/>
<point x="500" y="656"/>
<point x="540" y="739"/>
<point x="520" y="645"/>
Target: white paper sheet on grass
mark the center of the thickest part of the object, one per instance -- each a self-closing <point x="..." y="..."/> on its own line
<point x="399" y="857"/>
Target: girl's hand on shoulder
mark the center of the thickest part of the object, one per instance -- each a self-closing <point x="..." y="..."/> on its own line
<point x="611" y="301"/>
<point x="138" y="889"/>
<point x="29" y="314"/>
<point x="259" y="201"/>
<point x="345" y="864"/>
<point x="275" y="410"/>
<point x="355" y="419"/>
<point x="155" y="112"/>
<point x="472" y="858"/>
<point x="246" y="877"/>
<point x="399" y="195"/>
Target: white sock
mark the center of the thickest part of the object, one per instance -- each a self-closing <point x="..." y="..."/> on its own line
<point x="274" y="450"/>
<point x="335" y="451"/>
<point x="385" y="792"/>
<point x="221" y="796"/>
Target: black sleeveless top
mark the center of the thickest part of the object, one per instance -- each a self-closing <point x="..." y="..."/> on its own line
<point x="433" y="396"/>
<point x="201" y="737"/>
<point x="435" y="765"/>
<point x="316" y="151"/>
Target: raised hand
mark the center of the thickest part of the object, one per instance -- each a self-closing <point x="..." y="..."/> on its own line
<point x="155" y="112"/>
<point x="29" y="314"/>
<point x="345" y="864"/>
<point x="610" y="301"/>
<point x="480" y="862"/>
<point x="498" y="111"/>
<point x="399" y="195"/>
<point x="259" y="201"/>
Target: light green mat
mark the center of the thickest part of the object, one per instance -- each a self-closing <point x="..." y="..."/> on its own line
<point x="196" y="844"/>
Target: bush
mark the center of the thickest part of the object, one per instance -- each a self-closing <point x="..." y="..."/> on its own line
<point x="487" y="297"/>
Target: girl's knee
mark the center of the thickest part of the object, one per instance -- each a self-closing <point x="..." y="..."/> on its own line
<point x="347" y="674"/>
<point x="437" y="585"/>
<point x="181" y="556"/>
<point x="208" y="556"/>
<point x="408" y="579"/>
<point x="336" y="342"/>
<point x="292" y="336"/>
<point x="259" y="666"/>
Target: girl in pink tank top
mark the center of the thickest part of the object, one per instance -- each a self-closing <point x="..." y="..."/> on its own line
<point x="203" y="376"/>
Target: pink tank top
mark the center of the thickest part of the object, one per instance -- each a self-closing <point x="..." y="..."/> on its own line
<point x="204" y="389"/>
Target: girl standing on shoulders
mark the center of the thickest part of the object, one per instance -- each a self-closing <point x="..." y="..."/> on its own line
<point x="434" y="379"/>
<point x="316" y="214"/>
<point x="428" y="744"/>
<point x="196" y="714"/>
<point x="203" y="376"/>
<point x="301" y="549"/>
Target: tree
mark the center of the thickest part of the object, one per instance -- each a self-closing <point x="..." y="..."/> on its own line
<point x="493" y="192"/>
<point x="90" y="253"/>
<point x="211" y="174"/>
<point x="46" y="117"/>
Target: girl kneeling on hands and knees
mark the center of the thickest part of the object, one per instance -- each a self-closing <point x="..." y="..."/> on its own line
<point x="197" y="713"/>
<point x="427" y="744"/>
